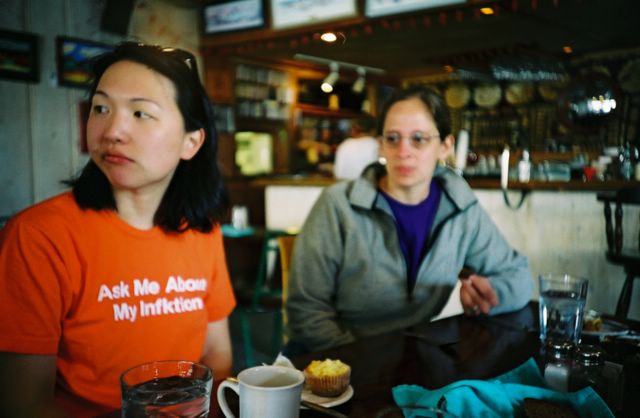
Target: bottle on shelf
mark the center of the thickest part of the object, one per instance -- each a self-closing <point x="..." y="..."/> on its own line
<point x="524" y="167"/>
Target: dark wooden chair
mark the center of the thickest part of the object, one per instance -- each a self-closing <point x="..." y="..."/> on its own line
<point x="629" y="258"/>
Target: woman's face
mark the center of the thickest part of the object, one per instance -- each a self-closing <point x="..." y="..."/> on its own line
<point x="411" y="161"/>
<point x="135" y="131"/>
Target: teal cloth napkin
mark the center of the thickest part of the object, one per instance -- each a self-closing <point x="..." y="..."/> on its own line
<point x="502" y="396"/>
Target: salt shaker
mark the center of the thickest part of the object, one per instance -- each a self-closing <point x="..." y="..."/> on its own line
<point x="558" y="365"/>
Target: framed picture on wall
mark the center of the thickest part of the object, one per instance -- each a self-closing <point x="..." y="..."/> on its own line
<point x="290" y="13"/>
<point x="233" y="15"/>
<point x="375" y="8"/>
<point x="74" y="57"/>
<point x="19" y="58"/>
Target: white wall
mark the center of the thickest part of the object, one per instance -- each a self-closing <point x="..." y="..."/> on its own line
<point x="564" y="231"/>
<point x="39" y="126"/>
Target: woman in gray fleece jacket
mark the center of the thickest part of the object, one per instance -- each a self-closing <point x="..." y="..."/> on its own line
<point x="384" y="251"/>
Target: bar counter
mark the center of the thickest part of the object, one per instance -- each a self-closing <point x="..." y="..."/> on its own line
<point x="475" y="183"/>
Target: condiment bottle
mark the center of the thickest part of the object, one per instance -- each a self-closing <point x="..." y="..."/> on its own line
<point x="588" y="369"/>
<point x="524" y="167"/>
<point x="557" y="365"/>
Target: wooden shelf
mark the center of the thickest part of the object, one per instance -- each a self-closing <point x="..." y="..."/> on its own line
<point x="326" y="112"/>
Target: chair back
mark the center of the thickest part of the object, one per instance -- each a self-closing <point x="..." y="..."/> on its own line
<point x="285" y="244"/>
<point x="615" y="229"/>
<point x="617" y="253"/>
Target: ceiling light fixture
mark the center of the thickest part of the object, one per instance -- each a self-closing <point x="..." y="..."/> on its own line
<point x="358" y="85"/>
<point x="330" y="80"/>
<point x="567" y="49"/>
<point x="361" y="70"/>
<point x="487" y="11"/>
<point x="329" y="37"/>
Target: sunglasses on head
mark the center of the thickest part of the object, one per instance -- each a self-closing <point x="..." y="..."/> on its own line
<point x="178" y="54"/>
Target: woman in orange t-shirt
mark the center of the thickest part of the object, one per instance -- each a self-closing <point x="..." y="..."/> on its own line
<point x="127" y="267"/>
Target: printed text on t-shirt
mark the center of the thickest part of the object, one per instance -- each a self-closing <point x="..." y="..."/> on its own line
<point x="162" y="305"/>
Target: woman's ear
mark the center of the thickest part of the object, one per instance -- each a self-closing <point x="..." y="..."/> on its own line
<point x="191" y="143"/>
<point x="447" y="147"/>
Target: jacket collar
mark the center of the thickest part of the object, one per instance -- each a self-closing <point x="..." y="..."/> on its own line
<point x="364" y="190"/>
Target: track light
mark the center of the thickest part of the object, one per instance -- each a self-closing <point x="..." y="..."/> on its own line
<point x="358" y="85"/>
<point x="330" y="80"/>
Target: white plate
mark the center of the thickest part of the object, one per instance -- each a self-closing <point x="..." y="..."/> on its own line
<point x="609" y="328"/>
<point x="327" y="402"/>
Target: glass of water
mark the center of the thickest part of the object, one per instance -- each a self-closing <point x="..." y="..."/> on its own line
<point x="166" y="389"/>
<point x="562" y="300"/>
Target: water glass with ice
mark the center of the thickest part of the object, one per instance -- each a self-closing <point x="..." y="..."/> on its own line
<point x="562" y="300"/>
<point x="166" y="389"/>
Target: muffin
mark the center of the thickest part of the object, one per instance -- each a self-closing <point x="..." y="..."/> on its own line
<point x="327" y="378"/>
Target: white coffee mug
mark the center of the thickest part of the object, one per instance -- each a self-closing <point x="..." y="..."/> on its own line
<point x="265" y="392"/>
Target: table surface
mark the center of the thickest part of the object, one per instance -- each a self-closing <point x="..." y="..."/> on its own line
<point x="435" y="354"/>
<point x="431" y="355"/>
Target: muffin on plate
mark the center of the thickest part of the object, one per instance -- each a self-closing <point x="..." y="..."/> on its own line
<point x="328" y="377"/>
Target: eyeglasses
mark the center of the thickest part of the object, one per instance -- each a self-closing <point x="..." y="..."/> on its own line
<point x="176" y="53"/>
<point x="417" y="139"/>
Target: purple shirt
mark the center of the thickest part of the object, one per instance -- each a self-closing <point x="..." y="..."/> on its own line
<point x="413" y="224"/>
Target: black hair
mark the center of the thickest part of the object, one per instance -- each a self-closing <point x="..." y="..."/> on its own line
<point x="432" y="100"/>
<point x="196" y="197"/>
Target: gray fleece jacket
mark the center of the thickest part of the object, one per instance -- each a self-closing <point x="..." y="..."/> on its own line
<point x="348" y="277"/>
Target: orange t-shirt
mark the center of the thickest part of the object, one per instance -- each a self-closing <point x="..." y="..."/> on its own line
<point x="103" y="296"/>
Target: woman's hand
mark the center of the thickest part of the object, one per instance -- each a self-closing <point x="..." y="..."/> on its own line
<point x="477" y="295"/>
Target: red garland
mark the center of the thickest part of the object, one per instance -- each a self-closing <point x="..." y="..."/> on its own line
<point x="443" y="18"/>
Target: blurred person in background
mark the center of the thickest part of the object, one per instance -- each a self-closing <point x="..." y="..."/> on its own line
<point x="358" y="151"/>
<point x="386" y="251"/>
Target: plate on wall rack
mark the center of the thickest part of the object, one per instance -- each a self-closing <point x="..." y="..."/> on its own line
<point x="457" y="95"/>
<point x="519" y="93"/>
<point x="487" y="95"/>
